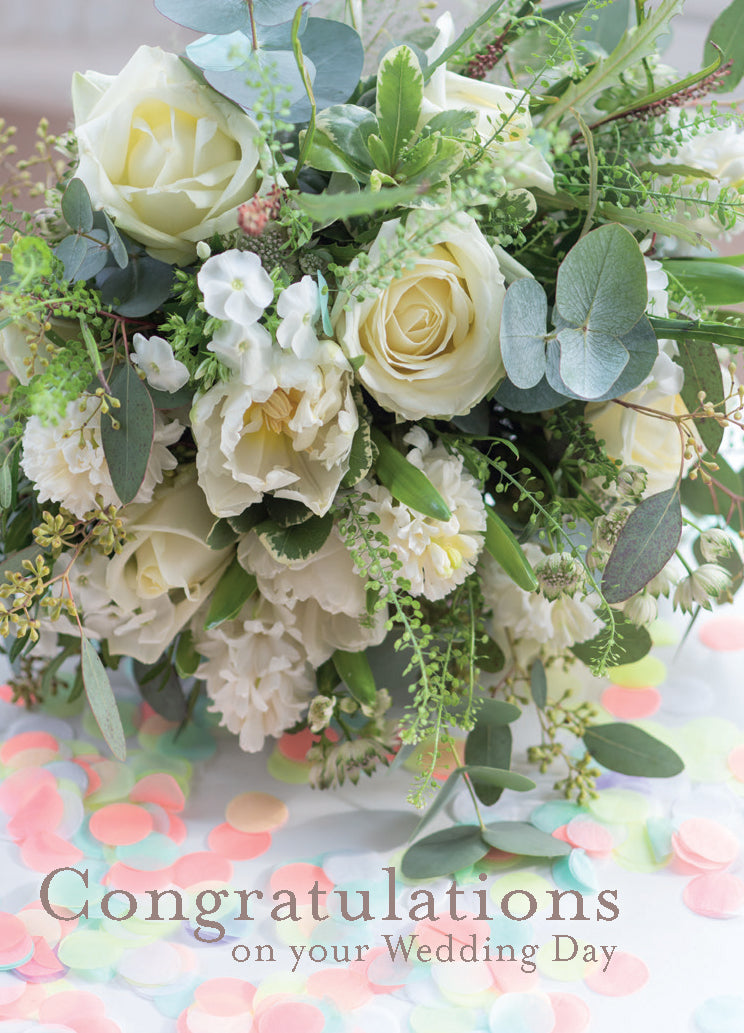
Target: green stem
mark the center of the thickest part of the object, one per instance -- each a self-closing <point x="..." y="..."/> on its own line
<point x="309" y="133"/>
<point x="254" y="34"/>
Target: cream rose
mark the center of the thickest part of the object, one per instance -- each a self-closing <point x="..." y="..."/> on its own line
<point x="142" y="597"/>
<point x="167" y="157"/>
<point x="292" y="440"/>
<point x="503" y="119"/>
<point x="430" y="341"/>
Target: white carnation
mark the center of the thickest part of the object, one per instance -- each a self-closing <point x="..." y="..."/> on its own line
<point x="67" y="464"/>
<point x="257" y="673"/>
<point x="526" y="624"/>
<point x="437" y="555"/>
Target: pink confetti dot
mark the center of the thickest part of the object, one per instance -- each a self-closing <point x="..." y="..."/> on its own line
<point x="121" y="824"/>
<point x="161" y="789"/>
<point x="238" y="846"/>
<point x="718" y="895"/>
<point x="290" y="1017"/>
<point x="19" y="787"/>
<point x="177" y="830"/>
<point x="43" y="810"/>
<point x="346" y="988"/>
<point x="45" y="851"/>
<point x="44" y="965"/>
<point x="225" y="997"/>
<point x="572" y="1015"/>
<point x="122" y="877"/>
<point x="67" y="1007"/>
<point x="201" y="866"/>
<point x="590" y="836"/>
<point x="705" y="844"/>
<point x="15" y="942"/>
<point x="300" y="879"/>
<point x="631" y="704"/>
<point x="27" y="741"/>
<point x="256" y="812"/>
<point x="509" y="978"/>
<point x="722" y="633"/>
<point x="736" y="763"/>
<point x="625" y="975"/>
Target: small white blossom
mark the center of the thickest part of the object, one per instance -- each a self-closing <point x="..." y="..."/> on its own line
<point x="248" y="351"/>
<point x="155" y="358"/>
<point x="299" y="308"/>
<point x="698" y="588"/>
<point x="320" y="713"/>
<point x="667" y="579"/>
<point x="641" y="609"/>
<point x="715" y="544"/>
<point x="235" y="286"/>
<point x="560" y="573"/>
<point x="203" y="250"/>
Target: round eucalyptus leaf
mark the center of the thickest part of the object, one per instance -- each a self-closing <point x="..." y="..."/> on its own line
<point x="275" y="12"/>
<point x="589" y="361"/>
<point x="523" y="331"/>
<point x="220" y="53"/>
<point x="444" y="852"/>
<point x="247" y="84"/>
<point x="534" y="399"/>
<point x="643" y="350"/>
<point x="206" y="15"/>
<point x="336" y="52"/>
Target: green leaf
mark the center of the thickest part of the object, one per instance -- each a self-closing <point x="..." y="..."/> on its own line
<point x="406" y="482"/>
<point x="160" y="687"/>
<point x="702" y="373"/>
<point x="326" y="678"/>
<point x="523" y="332"/>
<point x="538" y="684"/>
<point x="248" y="519"/>
<point x="646" y="544"/>
<point x="536" y="399"/>
<point x="336" y="52"/>
<point x="724" y="334"/>
<point x="116" y="245"/>
<point x="631" y="49"/>
<point x="233" y="589"/>
<point x="716" y="283"/>
<point x="354" y="670"/>
<point x="361" y="456"/>
<point x="6" y="484"/>
<point x="222" y="535"/>
<point x="218" y="16"/>
<point x="489" y="656"/>
<point x="101" y="699"/>
<point x="519" y="837"/>
<point x="444" y="794"/>
<point x="607" y="30"/>
<point x="324" y="208"/>
<point x="287" y="512"/>
<point x="127" y="449"/>
<point x="508" y="553"/>
<point x="76" y="207"/>
<point x="719" y="498"/>
<point x="631" y="751"/>
<point x="444" y="852"/>
<point x="500" y="777"/>
<point x="137" y="290"/>
<point x="400" y="94"/>
<point x="727" y="32"/>
<point x="379" y="154"/>
<point x="187" y="658"/>
<point x="298" y="542"/>
<point x="488" y="745"/>
<point x="633" y="644"/>
<point x="340" y="140"/>
<point x="455" y="122"/>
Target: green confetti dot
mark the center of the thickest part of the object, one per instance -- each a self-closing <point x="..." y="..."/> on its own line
<point x="285" y="770"/>
<point x="646" y="673"/>
<point x="90" y="949"/>
<point x="620" y="806"/>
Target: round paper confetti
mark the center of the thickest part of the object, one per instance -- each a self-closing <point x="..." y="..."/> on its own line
<point x="720" y="1015"/>
<point x="646" y="673"/>
<point x="723" y="633"/>
<point x="120" y="824"/>
<point x="522" y="1013"/>
<point x="16" y="946"/>
<point x="592" y="837"/>
<point x="705" y="844"/>
<point x="625" y="975"/>
<point x="631" y="704"/>
<point x="290" y="1017"/>
<point x="348" y="989"/>
<point x="225" y="997"/>
<point x="736" y="763"/>
<point x="256" y="812"/>
<point x="227" y="841"/>
<point x="160" y="789"/>
<point x="572" y="1015"/>
<point x="192" y="869"/>
<point x="718" y="895"/>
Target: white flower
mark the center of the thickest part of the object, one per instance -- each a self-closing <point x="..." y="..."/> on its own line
<point x="299" y="308"/>
<point x="702" y="585"/>
<point x="140" y="598"/>
<point x="641" y="608"/>
<point x="249" y="352"/>
<point x="23" y="349"/>
<point x="430" y="341"/>
<point x="294" y="443"/>
<point x="526" y="624"/>
<point x="154" y="356"/>
<point x="503" y="118"/>
<point x="657" y="283"/>
<point x="166" y="156"/>
<point x="715" y="544"/>
<point x="67" y="464"/>
<point x="235" y="286"/>
<point x="560" y="573"/>
<point x="256" y="672"/>
<point x="667" y="578"/>
<point x="436" y="555"/>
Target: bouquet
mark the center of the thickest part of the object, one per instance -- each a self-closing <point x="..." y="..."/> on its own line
<point x="369" y="393"/>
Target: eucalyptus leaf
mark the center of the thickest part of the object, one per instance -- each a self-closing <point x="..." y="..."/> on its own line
<point x="233" y="589"/>
<point x="699" y="360"/>
<point x="489" y="745"/>
<point x="160" y="687"/>
<point x="523" y="332"/>
<point x="337" y="55"/>
<point x="207" y="15"/>
<point x="76" y="207"/>
<point x="127" y="449"/>
<point x="298" y="542"/>
<point x="355" y="672"/>
<point x="519" y="837"/>
<point x="444" y="852"/>
<point x="444" y="795"/>
<point x="101" y="699"/>
<point x="139" y="289"/>
<point x="274" y="12"/>
<point x="246" y="84"/>
<point x="727" y="32"/>
<point x="539" y="398"/>
<point x="406" y="482"/>
<point x="221" y="53"/>
<point x="644" y="546"/>
<point x="400" y="94"/>
<point x="508" y="553"/>
<point x="538" y="684"/>
<point x="631" y="751"/>
<point x="642" y="347"/>
<point x="489" y="656"/>
<point x="500" y="777"/>
<point x="116" y="245"/>
<point x="633" y="643"/>
<point x="187" y="657"/>
<point x="72" y="252"/>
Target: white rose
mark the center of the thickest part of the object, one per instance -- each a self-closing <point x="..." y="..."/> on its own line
<point x="167" y="157"/>
<point x="503" y="116"/>
<point x="293" y="441"/>
<point x="430" y="341"/>
<point x="140" y="598"/>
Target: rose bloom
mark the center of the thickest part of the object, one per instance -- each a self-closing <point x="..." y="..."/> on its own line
<point x="292" y="441"/>
<point x="430" y="341"/>
<point x="140" y="598"/>
<point x="503" y="119"/>
<point x="166" y="156"/>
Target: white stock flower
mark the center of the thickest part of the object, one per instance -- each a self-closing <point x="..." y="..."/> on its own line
<point x="67" y="464"/>
<point x="140" y="598"/>
<point x="526" y="624"/>
<point x="235" y="286"/>
<point x="436" y="555"/>
<point x="503" y="119"/>
<point x="165" y="155"/>
<point x="154" y="356"/>
<point x="257" y="673"/>
<point x="299" y="308"/>
<point x="429" y="341"/>
<point x="293" y="442"/>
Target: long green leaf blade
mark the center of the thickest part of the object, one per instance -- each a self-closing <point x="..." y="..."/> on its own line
<point x="101" y="698"/>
